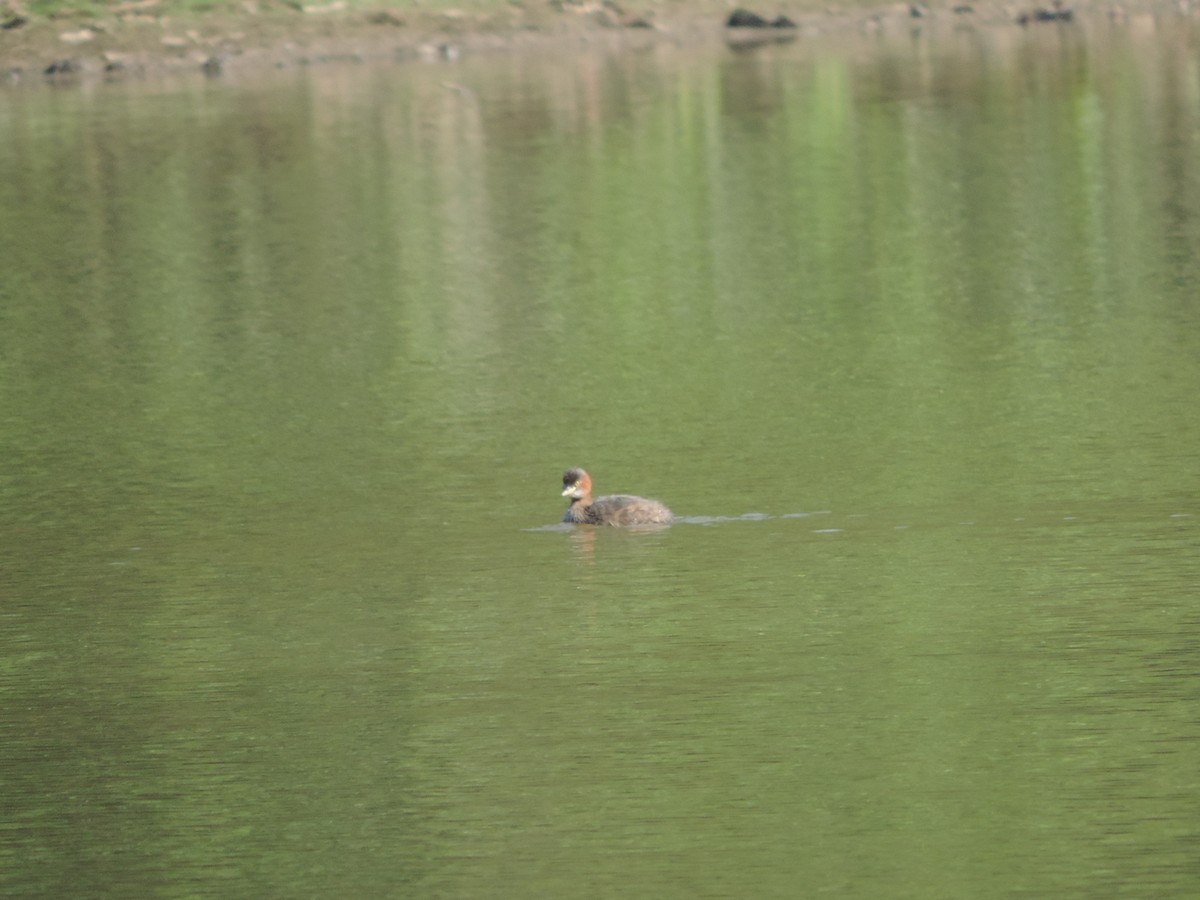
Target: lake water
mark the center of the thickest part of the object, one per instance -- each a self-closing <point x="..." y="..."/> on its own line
<point x="904" y="326"/>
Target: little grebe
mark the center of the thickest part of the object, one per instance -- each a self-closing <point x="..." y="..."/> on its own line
<point x="619" y="509"/>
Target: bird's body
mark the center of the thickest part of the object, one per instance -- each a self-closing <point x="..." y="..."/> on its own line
<point x="614" y="509"/>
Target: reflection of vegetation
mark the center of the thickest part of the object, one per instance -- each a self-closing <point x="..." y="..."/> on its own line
<point x="625" y="234"/>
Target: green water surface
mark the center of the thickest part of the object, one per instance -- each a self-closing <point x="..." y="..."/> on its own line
<point x="904" y="328"/>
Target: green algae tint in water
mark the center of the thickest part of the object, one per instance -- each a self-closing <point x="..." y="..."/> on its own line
<point x="905" y="331"/>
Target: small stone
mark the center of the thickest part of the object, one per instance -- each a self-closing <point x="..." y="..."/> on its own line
<point x="386" y="17"/>
<point x="82" y="36"/>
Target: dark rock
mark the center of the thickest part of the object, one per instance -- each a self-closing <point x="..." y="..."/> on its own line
<point x="782" y="22"/>
<point x="743" y="18"/>
<point x="62" y="67"/>
<point x="1059" y="13"/>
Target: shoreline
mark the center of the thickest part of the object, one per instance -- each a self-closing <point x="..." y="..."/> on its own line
<point x="132" y="42"/>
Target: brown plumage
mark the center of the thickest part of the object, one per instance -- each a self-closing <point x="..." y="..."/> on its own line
<point x="616" y="509"/>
